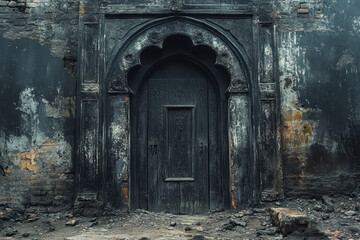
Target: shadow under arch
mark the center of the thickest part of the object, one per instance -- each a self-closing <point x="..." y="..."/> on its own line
<point x="201" y="55"/>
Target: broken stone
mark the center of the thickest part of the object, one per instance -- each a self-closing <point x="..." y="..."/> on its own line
<point x="228" y="226"/>
<point x="198" y="237"/>
<point x="278" y="203"/>
<point x="173" y="224"/>
<point x="327" y="200"/>
<point x="249" y="212"/>
<point x="350" y="213"/>
<point x="325" y="217"/>
<point x="235" y="222"/>
<point x="278" y="238"/>
<point x="317" y="208"/>
<point x="337" y="235"/>
<point x="25" y="235"/>
<point x="9" y="231"/>
<point x="240" y="214"/>
<point x="268" y="231"/>
<point x="187" y="228"/>
<point x="259" y="210"/>
<point x="329" y="209"/>
<point x="354" y="229"/>
<point x="93" y="219"/>
<point x="72" y="222"/>
<point x="303" y="10"/>
<point x="33" y="218"/>
<point x="289" y="220"/>
<point x="92" y="224"/>
<point x="236" y="215"/>
<point x="199" y="229"/>
<point x="50" y="226"/>
<point x="12" y="4"/>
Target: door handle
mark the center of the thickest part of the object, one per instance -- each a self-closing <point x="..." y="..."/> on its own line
<point x="203" y="150"/>
<point x="153" y="149"/>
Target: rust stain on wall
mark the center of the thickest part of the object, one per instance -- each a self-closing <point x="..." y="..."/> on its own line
<point x="296" y="138"/>
<point x="295" y="131"/>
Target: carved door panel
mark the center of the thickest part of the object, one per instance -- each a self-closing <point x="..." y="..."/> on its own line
<point x="178" y="139"/>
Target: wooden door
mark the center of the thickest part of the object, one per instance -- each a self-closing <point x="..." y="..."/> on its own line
<point x="178" y="120"/>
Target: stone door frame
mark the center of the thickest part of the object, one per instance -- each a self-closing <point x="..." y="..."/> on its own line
<point x="103" y="146"/>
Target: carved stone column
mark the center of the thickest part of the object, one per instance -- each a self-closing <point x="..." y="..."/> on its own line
<point x="88" y="166"/>
<point x="271" y="174"/>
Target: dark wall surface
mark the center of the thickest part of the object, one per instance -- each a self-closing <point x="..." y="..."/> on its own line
<point x="38" y="49"/>
<point x="319" y="63"/>
<point x="37" y="126"/>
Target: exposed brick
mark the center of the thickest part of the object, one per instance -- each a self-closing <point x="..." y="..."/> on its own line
<point x="303" y="10"/>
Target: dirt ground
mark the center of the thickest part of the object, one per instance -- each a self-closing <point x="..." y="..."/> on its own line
<point x="338" y="217"/>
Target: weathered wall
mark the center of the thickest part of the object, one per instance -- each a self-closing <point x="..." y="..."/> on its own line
<point x="37" y="94"/>
<point x="319" y="60"/>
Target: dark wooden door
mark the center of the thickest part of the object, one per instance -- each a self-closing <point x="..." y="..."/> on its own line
<point x="178" y="120"/>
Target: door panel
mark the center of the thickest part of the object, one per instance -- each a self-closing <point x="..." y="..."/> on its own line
<point x="179" y="142"/>
<point x="178" y="131"/>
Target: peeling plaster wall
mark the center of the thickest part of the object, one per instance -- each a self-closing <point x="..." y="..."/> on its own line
<point x="319" y="61"/>
<point x="50" y="22"/>
<point x="38" y="46"/>
<point x="37" y="128"/>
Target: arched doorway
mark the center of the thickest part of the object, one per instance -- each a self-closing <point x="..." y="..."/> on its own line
<point x="113" y="66"/>
<point x="178" y="130"/>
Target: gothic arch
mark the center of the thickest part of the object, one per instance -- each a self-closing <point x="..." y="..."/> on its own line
<point x="126" y="54"/>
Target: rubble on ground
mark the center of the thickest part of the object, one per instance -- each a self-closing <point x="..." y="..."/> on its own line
<point x="329" y="217"/>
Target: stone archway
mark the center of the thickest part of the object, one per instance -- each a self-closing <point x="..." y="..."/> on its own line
<point x="126" y="57"/>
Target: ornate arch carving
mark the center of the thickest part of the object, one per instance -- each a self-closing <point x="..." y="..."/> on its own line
<point x="128" y="56"/>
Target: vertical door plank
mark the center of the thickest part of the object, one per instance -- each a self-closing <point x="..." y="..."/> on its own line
<point x="215" y="156"/>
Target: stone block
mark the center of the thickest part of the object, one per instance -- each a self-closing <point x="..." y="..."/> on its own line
<point x="303" y="10"/>
<point x="12" y="4"/>
<point x="288" y="220"/>
<point x="32" y="5"/>
<point x="86" y="196"/>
